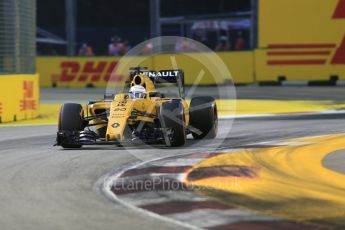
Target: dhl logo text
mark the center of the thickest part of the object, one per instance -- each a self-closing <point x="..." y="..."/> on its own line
<point x="28" y="102"/>
<point x="91" y="71"/>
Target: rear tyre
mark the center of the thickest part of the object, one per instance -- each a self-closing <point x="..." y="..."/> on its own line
<point x="172" y="117"/>
<point x="71" y="119"/>
<point x="203" y="117"/>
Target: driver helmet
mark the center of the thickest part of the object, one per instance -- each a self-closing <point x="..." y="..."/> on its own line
<point x="137" y="91"/>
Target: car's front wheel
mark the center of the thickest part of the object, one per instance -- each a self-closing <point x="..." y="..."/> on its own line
<point x="71" y="119"/>
<point x="172" y="120"/>
<point x="203" y="117"/>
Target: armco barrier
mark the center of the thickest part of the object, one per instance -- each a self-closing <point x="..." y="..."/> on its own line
<point x="301" y="40"/>
<point x="96" y="71"/>
<point x="19" y="97"/>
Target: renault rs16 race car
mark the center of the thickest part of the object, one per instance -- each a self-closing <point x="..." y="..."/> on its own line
<point x="143" y="114"/>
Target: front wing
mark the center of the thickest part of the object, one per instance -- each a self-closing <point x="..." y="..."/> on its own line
<point x="89" y="137"/>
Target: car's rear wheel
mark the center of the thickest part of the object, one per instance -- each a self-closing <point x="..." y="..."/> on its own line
<point x="203" y="118"/>
<point x="71" y="119"/>
<point x="172" y="119"/>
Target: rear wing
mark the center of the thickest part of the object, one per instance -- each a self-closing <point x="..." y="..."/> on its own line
<point x="162" y="76"/>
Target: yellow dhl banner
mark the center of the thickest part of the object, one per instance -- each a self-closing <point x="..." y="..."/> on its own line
<point x="19" y="97"/>
<point x="297" y="24"/>
<point x="301" y="40"/>
<point x="103" y="71"/>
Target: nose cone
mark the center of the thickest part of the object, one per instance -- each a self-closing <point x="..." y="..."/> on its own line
<point x="117" y="120"/>
<point x="114" y="137"/>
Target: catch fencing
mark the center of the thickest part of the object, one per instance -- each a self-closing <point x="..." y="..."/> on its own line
<point x="17" y="36"/>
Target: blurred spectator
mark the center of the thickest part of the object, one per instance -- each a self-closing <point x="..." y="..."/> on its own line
<point x="223" y="44"/>
<point x="182" y="45"/>
<point x="85" y="50"/>
<point x="239" y="42"/>
<point x="117" y="47"/>
<point x="148" y="48"/>
<point x="120" y="47"/>
<point x="114" y="47"/>
<point x="125" y="47"/>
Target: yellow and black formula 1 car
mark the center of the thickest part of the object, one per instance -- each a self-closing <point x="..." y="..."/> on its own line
<point x="142" y="114"/>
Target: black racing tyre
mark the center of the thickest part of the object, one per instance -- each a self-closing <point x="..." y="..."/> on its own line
<point x="172" y="117"/>
<point x="71" y="119"/>
<point x="204" y="117"/>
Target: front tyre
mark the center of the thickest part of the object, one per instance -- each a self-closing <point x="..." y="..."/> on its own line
<point x="71" y="119"/>
<point x="172" y="120"/>
<point x="203" y="118"/>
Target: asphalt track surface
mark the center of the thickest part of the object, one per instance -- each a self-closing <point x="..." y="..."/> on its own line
<point x="45" y="187"/>
<point x="247" y="92"/>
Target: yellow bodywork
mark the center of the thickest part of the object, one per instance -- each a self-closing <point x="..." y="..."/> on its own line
<point x="122" y="107"/>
